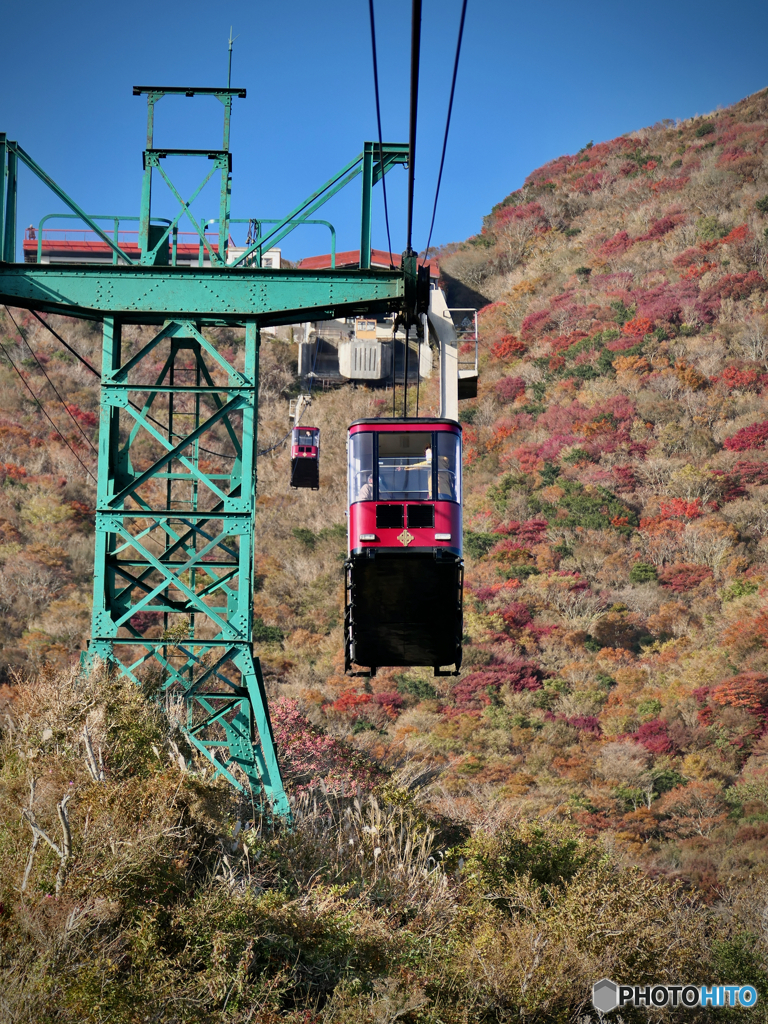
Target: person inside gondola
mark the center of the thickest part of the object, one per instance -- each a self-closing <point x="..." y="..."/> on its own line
<point x="445" y="477"/>
<point x="366" y="491"/>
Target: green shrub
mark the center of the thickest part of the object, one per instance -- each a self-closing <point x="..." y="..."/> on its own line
<point x="649" y="709"/>
<point x="519" y="572"/>
<point x="478" y="544"/>
<point x="411" y="686"/>
<point x="595" y="509"/>
<point x="585" y="372"/>
<point x="267" y="634"/>
<point x="642" y="572"/>
<point x="709" y="229"/>
<point x="549" y="472"/>
<point x="337" y="532"/>
<point x="707" y="128"/>
<point x="550" y="854"/>
<point x="762" y="205"/>
<point x="739" y="588"/>
<point x="305" y="536"/>
<point x="739" y="957"/>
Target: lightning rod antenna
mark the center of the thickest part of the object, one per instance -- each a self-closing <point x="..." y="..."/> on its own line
<point x="229" y="69"/>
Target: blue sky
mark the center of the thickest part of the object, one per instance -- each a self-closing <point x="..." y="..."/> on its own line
<point x="535" y="81"/>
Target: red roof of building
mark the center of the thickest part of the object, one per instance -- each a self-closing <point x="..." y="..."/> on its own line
<point x="351" y="258"/>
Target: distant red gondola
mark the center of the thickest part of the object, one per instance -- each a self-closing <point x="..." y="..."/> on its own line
<point x="404" y="571"/>
<point x="305" y="457"/>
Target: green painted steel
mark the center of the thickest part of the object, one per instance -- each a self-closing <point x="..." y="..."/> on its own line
<point x="176" y="491"/>
<point x="216" y="294"/>
<point x="173" y="577"/>
<point x="394" y="153"/>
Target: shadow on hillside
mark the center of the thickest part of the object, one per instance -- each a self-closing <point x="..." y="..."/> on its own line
<point x="459" y="295"/>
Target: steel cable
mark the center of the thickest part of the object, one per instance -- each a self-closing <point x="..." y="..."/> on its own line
<point x="42" y="410"/>
<point x="378" y="122"/>
<point x="415" y="56"/>
<point x="71" y="415"/>
<point x="447" y="124"/>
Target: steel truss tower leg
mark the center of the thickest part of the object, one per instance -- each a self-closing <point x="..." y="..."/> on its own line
<point x="173" y="574"/>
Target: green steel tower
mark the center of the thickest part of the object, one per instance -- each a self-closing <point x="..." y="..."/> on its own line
<point x="176" y="490"/>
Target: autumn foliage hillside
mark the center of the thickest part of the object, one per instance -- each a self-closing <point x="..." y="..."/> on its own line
<point x="608" y="732"/>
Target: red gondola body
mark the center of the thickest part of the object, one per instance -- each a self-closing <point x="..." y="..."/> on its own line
<point x="404" y="571"/>
<point x="305" y="457"/>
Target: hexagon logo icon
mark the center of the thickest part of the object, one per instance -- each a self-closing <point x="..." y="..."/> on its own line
<point x="605" y="995"/>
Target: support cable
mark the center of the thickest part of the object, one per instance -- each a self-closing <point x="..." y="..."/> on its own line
<point x="208" y="451"/>
<point x="69" y="348"/>
<point x="285" y="437"/>
<point x="415" y="48"/>
<point x="133" y="405"/>
<point x="74" y="419"/>
<point x="42" y="410"/>
<point x="447" y="124"/>
<point x="378" y="121"/>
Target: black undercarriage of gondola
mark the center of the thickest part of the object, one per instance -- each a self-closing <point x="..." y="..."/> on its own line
<point x="305" y="473"/>
<point x="404" y="609"/>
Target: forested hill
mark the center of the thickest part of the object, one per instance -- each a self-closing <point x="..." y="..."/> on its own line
<point x="588" y="798"/>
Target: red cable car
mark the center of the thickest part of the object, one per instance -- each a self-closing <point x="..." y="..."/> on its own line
<point x="305" y="457"/>
<point x="404" y="571"/>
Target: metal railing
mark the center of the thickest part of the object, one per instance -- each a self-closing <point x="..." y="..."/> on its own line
<point x="42" y="234"/>
<point x="466" y="331"/>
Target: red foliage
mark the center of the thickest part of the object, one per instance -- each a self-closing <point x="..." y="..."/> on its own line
<point x="142" y="621"/>
<point x="688" y="258"/>
<point x="736" y="286"/>
<point x="695" y="272"/>
<point x="510" y="388"/>
<point x="735" y="379"/>
<point x="654" y="737"/>
<point x="532" y="531"/>
<point x="745" y="634"/>
<point x="535" y="324"/>
<point x="638" y="327"/>
<point x="12" y="471"/>
<point x="666" y="302"/>
<point x="309" y="756"/>
<point x="508" y="347"/>
<point x="747" y="690"/>
<point x="351" y="703"/>
<point x="586" y="723"/>
<point x="738" y="234"/>
<point x="625" y="478"/>
<point x="661" y="227"/>
<point x="617" y="245"/>
<point x="477" y="688"/>
<point x="681" y="576"/>
<point x="679" y="508"/>
<point x="88" y="419"/>
<point x="82" y="512"/>
<point x="516" y="615"/>
<point x="391" y="702"/>
<point x="748" y="438"/>
<point x="751" y="472"/>
<point x="670" y="184"/>
<point x="589" y="182"/>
